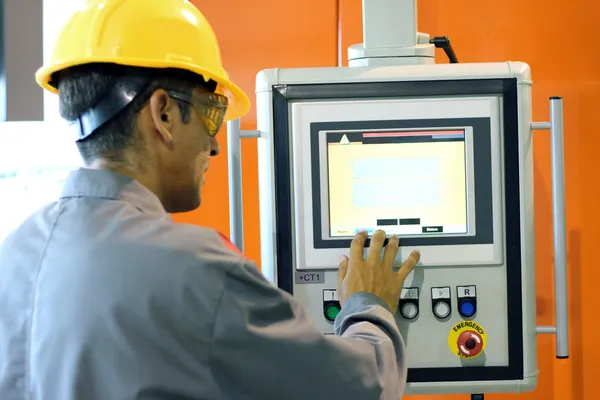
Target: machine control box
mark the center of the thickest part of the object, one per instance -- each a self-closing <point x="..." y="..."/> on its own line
<point x="439" y="155"/>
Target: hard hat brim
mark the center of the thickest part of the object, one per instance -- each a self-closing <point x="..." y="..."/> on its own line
<point x="239" y="103"/>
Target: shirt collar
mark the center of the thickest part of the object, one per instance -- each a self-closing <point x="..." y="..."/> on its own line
<point x="101" y="183"/>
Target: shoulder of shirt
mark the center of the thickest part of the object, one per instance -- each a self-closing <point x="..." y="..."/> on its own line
<point x="207" y="245"/>
<point x="213" y="249"/>
<point x="15" y="235"/>
<point x="190" y="244"/>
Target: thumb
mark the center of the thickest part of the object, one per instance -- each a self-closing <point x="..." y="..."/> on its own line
<point x="342" y="269"/>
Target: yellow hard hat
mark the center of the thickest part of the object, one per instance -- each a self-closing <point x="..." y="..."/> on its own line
<point x="143" y="33"/>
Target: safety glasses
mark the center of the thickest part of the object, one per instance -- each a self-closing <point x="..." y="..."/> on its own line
<point x="211" y="108"/>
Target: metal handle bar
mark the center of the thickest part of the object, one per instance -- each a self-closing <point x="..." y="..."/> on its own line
<point x="234" y="160"/>
<point x="559" y="228"/>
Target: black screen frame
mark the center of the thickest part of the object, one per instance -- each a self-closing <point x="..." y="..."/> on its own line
<point x="506" y="88"/>
<point x="482" y="163"/>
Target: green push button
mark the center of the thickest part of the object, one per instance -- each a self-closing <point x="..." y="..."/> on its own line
<point x="332" y="309"/>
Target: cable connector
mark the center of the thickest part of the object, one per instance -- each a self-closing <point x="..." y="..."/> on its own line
<point x="443" y="42"/>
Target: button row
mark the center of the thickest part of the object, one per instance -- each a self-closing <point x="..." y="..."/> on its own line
<point x="441" y="301"/>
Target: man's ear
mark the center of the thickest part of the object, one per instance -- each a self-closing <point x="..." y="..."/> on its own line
<point x="162" y="114"/>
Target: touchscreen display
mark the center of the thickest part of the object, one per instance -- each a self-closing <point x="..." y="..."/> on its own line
<point x="406" y="182"/>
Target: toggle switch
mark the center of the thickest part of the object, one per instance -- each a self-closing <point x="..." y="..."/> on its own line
<point x="441" y="302"/>
<point x="467" y="300"/>
<point x="331" y="304"/>
<point x="409" y="303"/>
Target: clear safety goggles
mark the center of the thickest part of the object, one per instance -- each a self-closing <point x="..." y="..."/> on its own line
<point x="211" y="108"/>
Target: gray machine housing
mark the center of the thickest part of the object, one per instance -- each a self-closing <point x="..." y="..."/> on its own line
<point x="500" y="264"/>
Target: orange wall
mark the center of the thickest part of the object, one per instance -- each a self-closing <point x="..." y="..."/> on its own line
<point x="267" y="34"/>
<point x="554" y="37"/>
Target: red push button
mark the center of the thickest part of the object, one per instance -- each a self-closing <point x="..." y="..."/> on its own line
<point x="470" y="343"/>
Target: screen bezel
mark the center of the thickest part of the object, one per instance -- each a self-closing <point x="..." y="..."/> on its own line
<point x="479" y="182"/>
<point x="481" y="185"/>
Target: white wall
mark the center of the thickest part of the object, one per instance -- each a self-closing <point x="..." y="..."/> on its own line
<point x="35" y="158"/>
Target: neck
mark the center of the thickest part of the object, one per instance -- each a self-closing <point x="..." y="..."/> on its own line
<point x="138" y="174"/>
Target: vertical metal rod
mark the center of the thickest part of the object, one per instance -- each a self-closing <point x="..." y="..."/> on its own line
<point x="236" y="206"/>
<point x="559" y="228"/>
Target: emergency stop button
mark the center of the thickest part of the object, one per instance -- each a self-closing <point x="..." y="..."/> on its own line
<point x="470" y="343"/>
<point x="467" y="339"/>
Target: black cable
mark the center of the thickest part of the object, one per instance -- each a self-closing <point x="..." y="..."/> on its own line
<point x="443" y="42"/>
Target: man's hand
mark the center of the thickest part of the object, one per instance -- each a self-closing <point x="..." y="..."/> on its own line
<point x="375" y="274"/>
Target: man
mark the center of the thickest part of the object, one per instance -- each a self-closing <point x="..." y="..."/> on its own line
<point x="102" y="296"/>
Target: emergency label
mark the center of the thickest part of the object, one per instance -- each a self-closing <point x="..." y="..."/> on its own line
<point x="467" y="339"/>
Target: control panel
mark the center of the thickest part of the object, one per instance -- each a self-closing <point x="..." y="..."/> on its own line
<point x="435" y="155"/>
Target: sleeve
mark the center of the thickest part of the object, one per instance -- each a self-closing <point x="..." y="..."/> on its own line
<point x="265" y="346"/>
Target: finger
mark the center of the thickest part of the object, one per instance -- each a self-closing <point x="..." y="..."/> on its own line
<point x="391" y="250"/>
<point x="342" y="269"/>
<point x="376" y="245"/>
<point x="408" y="265"/>
<point x="357" y="246"/>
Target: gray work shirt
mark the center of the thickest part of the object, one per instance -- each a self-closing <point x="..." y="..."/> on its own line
<point x="103" y="296"/>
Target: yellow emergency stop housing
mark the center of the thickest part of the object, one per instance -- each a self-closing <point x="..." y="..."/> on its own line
<point x="467" y="339"/>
